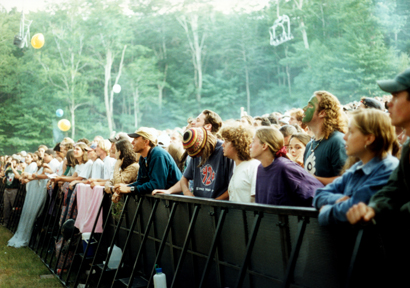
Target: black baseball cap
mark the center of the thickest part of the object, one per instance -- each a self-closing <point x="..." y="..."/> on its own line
<point x="400" y="83"/>
<point x="372" y="103"/>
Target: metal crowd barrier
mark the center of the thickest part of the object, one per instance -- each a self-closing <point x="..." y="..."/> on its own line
<point x="210" y="243"/>
<point x="2" y="187"/>
<point x="16" y="209"/>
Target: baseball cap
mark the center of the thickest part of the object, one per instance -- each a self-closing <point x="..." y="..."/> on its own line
<point x="147" y="133"/>
<point x="400" y="83"/>
<point x="93" y="146"/>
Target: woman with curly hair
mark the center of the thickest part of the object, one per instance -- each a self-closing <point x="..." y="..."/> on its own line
<point x="238" y="139"/>
<point x="325" y="155"/>
<point x="125" y="169"/>
<point x="280" y="181"/>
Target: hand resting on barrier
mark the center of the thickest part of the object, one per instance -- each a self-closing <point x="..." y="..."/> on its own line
<point x="122" y="188"/>
<point x="360" y="212"/>
<point x="116" y="197"/>
<point x="159" y="191"/>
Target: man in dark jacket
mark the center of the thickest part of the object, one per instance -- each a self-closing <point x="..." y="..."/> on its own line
<point x="391" y="205"/>
<point x="157" y="170"/>
<point x="394" y="198"/>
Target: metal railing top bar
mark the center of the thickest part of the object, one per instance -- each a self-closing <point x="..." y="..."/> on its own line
<point x="270" y="209"/>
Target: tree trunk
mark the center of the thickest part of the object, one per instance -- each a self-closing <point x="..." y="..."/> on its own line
<point x="108" y="91"/>
<point x="107" y="78"/>
<point x="248" y="93"/>
<point x="279" y="82"/>
<point x="136" y="108"/>
<point x="304" y="34"/>
<point x="288" y="73"/>
<point x="161" y="87"/>
<point x="196" y="47"/>
<point x="72" y="111"/>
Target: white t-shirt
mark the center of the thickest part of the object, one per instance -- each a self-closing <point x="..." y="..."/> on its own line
<point x="60" y="171"/>
<point x="97" y="171"/>
<point x="54" y="164"/>
<point x="84" y="170"/>
<point x="32" y="168"/>
<point x="243" y="182"/>
<point x="109" y="164"/>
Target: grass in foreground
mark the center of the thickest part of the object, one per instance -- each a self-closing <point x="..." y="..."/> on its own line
<point x="21" y="267"/>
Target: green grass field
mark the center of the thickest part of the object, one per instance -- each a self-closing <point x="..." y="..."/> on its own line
<point x="21" y="267"/>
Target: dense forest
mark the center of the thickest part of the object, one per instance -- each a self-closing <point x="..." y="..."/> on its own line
<point x="173" y="59"/>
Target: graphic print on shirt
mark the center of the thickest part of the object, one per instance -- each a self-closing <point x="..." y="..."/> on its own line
<point x="208" y="175"/>
<point x="310" y="164"/>
<point x="10" y="178"/>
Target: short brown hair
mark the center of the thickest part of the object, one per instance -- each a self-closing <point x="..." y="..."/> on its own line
<point x="84" y="140"/>
<point x="302" y="137"/>
<point x="298" y="114"/>
<point x="213" y="118"/>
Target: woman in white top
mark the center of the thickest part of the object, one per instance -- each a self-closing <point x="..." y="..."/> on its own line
<point x="36" y="196"/>
<point x="82" y="169"/>
<point x="31" y="161"/>
<point x="97" y="167"/>
<point x="238" y="138"/>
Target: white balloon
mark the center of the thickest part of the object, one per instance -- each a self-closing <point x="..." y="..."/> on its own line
<point x="116" y="88"/>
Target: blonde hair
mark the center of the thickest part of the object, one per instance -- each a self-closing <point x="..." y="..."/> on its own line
<point x="67" y="140"/>
<point x="272" y="137"/>
<point x="375" y="122"/>
<point x="105" y="145"/>
<point x="43" y="146"/>
<point x="334" y="119"/>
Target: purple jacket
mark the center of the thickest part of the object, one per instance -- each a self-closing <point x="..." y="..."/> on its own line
<point x="285" y="183"/>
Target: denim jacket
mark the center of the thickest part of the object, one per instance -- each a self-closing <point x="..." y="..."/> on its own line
<point x="360" y="183"/>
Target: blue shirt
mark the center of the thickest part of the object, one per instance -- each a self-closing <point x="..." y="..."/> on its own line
<point x="359" y="182"/>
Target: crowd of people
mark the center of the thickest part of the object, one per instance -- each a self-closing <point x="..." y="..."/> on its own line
<point x="342" y="160"/>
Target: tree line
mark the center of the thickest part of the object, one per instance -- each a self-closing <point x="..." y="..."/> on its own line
<point x="174" y="59"/>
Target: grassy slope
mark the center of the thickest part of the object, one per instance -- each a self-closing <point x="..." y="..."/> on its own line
<point x="21" y="267"/>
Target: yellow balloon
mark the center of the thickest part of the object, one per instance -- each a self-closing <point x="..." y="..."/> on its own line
<point x="64" y="125"/>
<point x="37" y="41"/>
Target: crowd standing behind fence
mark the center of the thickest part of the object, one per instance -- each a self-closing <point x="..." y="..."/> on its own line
<point x="275" y="177"/>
